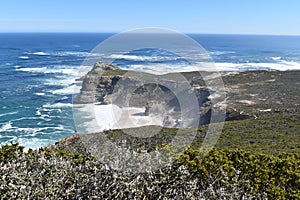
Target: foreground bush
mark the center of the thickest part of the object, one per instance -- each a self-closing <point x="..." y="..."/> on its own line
<point x="276" y="177"/>
<point x="229" y="174"/>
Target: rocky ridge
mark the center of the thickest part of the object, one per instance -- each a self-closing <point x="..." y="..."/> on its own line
<point x="248" y="94"/>
<point x="159" y="95"/>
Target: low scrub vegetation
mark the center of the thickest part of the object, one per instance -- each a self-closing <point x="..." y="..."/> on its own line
<point x="223" y="174"/>
<point x="253" y="159"/>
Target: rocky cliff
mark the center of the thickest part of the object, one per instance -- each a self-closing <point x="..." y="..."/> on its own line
<point x="248" y="94"/>
<point x="106" y="84"/>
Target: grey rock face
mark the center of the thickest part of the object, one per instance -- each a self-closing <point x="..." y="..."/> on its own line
<point x="100" y="67"/>
<point x="157" y="94"/>
<point x="95" y="86"/>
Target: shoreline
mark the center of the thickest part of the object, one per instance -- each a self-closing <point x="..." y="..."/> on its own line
<point x="111" y="116"/>
<point x="248" y="94"/>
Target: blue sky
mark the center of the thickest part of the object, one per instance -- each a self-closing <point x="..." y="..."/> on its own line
<point x="280" y="17"/>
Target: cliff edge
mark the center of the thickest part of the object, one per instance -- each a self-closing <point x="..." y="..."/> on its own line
<point x="249" y="94"/>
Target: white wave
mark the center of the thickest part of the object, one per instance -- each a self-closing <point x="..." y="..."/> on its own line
<point x="31" y="69"/>
<point x="218" y="53"/>
<point x="38" y="113"/>
<point x="73" y="89"/>
<point x="281" y="66"/>
<point x="40" y="93"/>
<point x="290" y="65"/>
<point x="57" y="105"/>
<point x="39" y="53"/>
<point x="25" y="118"/>
<point x="80" y="54"/>
<point x="59" y="127"/>
<point x="6" y="127"/>
<point x="168" y="68"/>
<point x="72" y="53"/>
<point x="45" y="117"/>
<point x="60" y="81"/>
<point x="24" y="57"/>
<point x="69" y="71"/>
<point x="142" y="58"/>
<point x="60" y="69"/>
<point x="276" y="58"/>
<point x="31" y="131"/>
<point x="218" y="66"/>
<point x="64" y="97"/>
<point x="134" y="57"/>
<point x="9" y="113"/>
<point x="44" y="109"/>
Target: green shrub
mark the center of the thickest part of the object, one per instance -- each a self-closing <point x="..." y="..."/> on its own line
<point x="278" y="177"/>
<point x="10" y="152"/>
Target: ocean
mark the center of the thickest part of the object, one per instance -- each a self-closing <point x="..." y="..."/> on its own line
<point x="38" y="72"/>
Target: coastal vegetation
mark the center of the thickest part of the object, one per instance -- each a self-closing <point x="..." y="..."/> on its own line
<point x="254" y="159"/>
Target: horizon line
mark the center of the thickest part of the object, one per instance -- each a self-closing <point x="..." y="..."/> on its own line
<point x="115" y="32"/>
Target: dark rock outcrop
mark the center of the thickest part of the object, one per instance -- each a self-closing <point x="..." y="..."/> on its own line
<point x="96" y="85"/>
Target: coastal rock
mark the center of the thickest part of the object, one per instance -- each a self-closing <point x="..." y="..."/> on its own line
<point x="95" y="86"/>
<point x="147" y="109"/>
<point x="247" y="93"/>
<point x="106" y="85"/>
<point x="169" y="122"/>
<point x="100" y="67"/>
<point x="233" y="114"/>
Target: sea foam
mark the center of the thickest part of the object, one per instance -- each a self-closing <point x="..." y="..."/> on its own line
<point x="24" y="57"/>
<point x="73" y="89"/>
<point x="9" y="113"/>
<point x="40" y="53"/>
<point x="280" y="66"/>
<point x="57" y="105"/>
<point x="6" y="127"/>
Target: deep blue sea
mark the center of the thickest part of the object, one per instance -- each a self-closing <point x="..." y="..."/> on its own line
<point x="38" y="71"/>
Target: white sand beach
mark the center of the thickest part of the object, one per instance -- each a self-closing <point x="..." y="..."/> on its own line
<point x="105" y="117"/>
